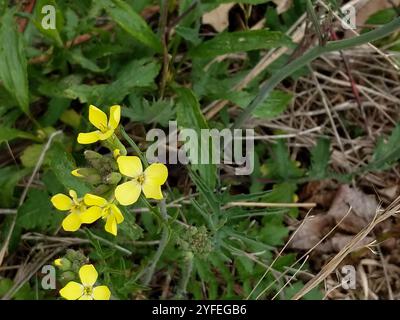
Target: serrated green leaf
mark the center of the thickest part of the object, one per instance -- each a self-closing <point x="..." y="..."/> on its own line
<point x="386" y="153"/>
<point x="274" y="232"/>
<point x="37" y="212"/>
<point x="280" y="166"/>
<point x="240" y="41"/>
<point x="62" y="163"/>
<point x="13" y="66"/>
<point x="276" y="103"/>
<point x="160" y="111"/>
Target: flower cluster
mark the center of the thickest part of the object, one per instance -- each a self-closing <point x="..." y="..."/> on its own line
<point x="116" y="179"/>
<point x="104" y="174"/>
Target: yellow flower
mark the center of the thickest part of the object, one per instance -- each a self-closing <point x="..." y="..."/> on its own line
<point x="101" y="208"/>
<point x="99" y="119"/>
<point x="149" y="181"/>
<point x="58" y="262"/>
<point x="74" y="205"/>
<point x="85" y="291"/>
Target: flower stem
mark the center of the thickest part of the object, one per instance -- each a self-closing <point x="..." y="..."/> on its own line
<point x="185" y="277"/>
<point x="161" y="247"/>
<point x="135" y="147"/>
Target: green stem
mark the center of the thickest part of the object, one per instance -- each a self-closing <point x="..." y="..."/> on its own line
<point x="185" y="277"/>
<point x="309" y="56"/>
<point x="161" y="247"/>
<point x="134" y="146"/>
<point x="314" y="20"/>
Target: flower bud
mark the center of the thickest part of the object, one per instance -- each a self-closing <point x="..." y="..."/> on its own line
<point x="63" y="263"/>
<point x="101" y="189"/>
<point x="68" y="276"/>
<point x="113" y="178"/>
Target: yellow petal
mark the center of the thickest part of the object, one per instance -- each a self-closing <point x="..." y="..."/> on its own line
<point x="111" y="225"/>
<point x="117" y="213"/>
<point x="72" y="291"/>
<point x="88" y="275"/>
<point x="71" y="222"/>
<point x="89" y="137"/>
<point x="76" y="173"/>
<point x="116" y="153"/>
<point x="101" y="293"/>
<point x="130" y="166"/>
<point x="97" y="117"/>
<point x="156" y="173"/>
<point x="91" y="215"/>
<point x="61" y="202"/>
<point x="73" y="195"/>
<point x="152" y="190"/>
<point x="105" y="135"/>
<point x="93" y="200"/>
<point x="115" y="116"/>
<point x="127" y="193"/>
<point x="86" y="297"/>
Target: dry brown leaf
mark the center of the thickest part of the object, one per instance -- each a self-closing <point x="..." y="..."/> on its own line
<point x="363" y="208"/>
<point x="311" y="231"/>
<point x="219" y="17"/>
<point x="339" y="241"/>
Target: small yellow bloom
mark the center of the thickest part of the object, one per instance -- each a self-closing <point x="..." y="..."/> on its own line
<point x="149" y="181"/>
<point x="101" y="208"/>
<point x="105" y="128"/>
<point x="58" y="262"/>
<point x="74" y="205"/>
<point x="76" y="173"/>
<point x="85" y="290"/>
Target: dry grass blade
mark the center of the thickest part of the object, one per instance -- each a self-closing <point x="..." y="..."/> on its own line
<point x="330" y="267"/>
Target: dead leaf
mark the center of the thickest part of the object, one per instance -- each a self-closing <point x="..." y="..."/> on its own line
<point x="363" y="209"/>
<point x="219" y="17"/>
<point x="339" y="241"/>
<point x="311" y="231"/>
<point x="321" y="192"/>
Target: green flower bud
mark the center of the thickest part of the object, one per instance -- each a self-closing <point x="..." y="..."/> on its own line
<point x="63" y="263"/>
<point x="113" y="178"/>
<point x="68" y="276"/>
<point x="102" y="189"/>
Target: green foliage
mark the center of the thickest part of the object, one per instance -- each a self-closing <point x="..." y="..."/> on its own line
<point x="110" y="52"/>
<point x="131" y="22"/>
<point x="387" y="151"/>
<point x="240" y="41"/>
<point x="320" y="156"/>
<point x="37" y="212"/>
<point x="13" y="67"/>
